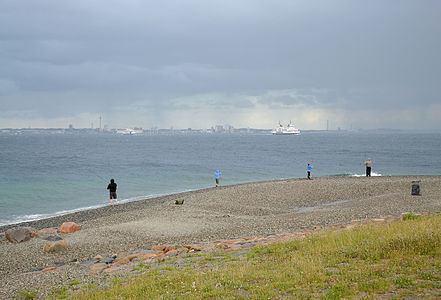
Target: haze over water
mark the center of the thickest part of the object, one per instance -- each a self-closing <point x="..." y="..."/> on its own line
<point x="42" y="175"/>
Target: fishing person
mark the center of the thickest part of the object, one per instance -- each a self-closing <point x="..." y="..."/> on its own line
<point x="368" y="164"/>
<point x="217" y="176"/>
<point x="112" y="189"/>
<point x="308" y="170"/>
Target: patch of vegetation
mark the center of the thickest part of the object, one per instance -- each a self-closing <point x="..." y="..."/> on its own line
<point x="141" y="267"/>
<point x="411" y="216"/>
<point x="75" y="282"/>
<point x="26" y="295"/>
<point x="394" y="259"/>
<point x="61" y="293"/>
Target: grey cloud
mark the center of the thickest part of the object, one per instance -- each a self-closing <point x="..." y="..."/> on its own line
<point x="91" y="56"/>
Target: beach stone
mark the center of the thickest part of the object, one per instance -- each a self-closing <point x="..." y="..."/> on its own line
<point x="56" y="246"/>
<point x="3" y="237"/>
<point x="192" y="247"/>
<point x="98" y="267"/>
<point x="146" y="252"/>
<point x="49" y="269"/>
<point x="53" y="238"/>
<point x="47" y="231"/>
<point x="88" y="263"/>
<point x="159" y="248"/>
<point x="169" y="248"/>
<point x="19" y="234"/>
<point x="122" y="260"/>
<point x="108" y="260"/>
<point x="69" y="227"/>
<point x="98" y="257"/>
<point x="171" y="253"/>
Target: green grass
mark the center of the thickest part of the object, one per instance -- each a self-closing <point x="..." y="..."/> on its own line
<point x="28" y="294"/>
<point x="396" y="259"/>
<point x="411" y="216"/>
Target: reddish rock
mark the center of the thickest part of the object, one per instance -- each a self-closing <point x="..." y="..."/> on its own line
<point x="378" y="220"/>
<point x="122" y="261"/>
<point x="159" y="248"/>
<point x="19" y="234"/>
<point x="47" y="231"/>
<point x="229" y="242"/>
<point x="168" y="248"/>
<point x="98" y="257"/>
<point x="171" y="253"/>
<point x="149" y="255"/>
<point x="192" y="247"/>
<point x="49" y="269"/>
<point x="133" y="256"/>
<point x="55" y="246"/>
<point x="69" y="227"/>
<point x="98" y="268"/>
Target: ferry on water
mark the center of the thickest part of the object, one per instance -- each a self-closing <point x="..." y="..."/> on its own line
<point x="288" y="130"/>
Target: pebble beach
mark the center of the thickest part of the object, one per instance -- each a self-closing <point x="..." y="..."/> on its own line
<point x="227" y="212"/>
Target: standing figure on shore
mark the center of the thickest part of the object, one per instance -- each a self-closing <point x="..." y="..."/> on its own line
<point x="368" y="164"/>
<point x="217" y="176"/>
<point x="308" y="170"/>
<point x="112" y="189"/>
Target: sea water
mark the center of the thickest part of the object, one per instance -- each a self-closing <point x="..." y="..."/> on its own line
<point x="44" y="175"/>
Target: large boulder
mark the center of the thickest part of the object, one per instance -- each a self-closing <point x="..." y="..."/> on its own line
<point x="20" y="234"/>
<point x="69" y="227"/>
<point x="57" y="246"/>
<point x="47" y="231"/>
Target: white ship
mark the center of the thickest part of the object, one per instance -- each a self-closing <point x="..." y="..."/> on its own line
<point x="289" y="129"/>
<point x="129" y="131"/>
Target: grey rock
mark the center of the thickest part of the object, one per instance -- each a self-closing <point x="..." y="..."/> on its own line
<point x="89" y="263"/>
<point x="108" y="260"/>
<point x="53" y="238"/>
<point x="146" y="252"/>
<point x="19" y="234"/>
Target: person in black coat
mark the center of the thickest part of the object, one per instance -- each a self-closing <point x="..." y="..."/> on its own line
<point x="112" y="189"/>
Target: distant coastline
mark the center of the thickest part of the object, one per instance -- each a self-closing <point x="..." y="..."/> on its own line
<point x="187" y="131"/>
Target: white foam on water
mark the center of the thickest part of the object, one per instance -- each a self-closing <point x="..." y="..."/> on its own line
<point x="364" y="175"/>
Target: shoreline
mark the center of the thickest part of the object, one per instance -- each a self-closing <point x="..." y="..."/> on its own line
<point x="227" y="212"/>
<point x="144" y="200"/>
<point x="59" y="215"/>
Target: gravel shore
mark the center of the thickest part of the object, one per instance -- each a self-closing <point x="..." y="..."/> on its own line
<point x="244" y="210"/>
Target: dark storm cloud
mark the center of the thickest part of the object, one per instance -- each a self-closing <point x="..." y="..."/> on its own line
<point x="96" y="56"/>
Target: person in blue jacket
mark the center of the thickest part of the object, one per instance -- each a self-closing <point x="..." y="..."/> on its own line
<point x="309" y="169"/>
<point x="217" y="176"/>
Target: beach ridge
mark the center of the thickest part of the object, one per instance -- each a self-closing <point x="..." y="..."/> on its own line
<point x="245" y="210"/>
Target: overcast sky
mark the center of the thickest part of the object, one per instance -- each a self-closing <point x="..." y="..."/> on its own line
<point x="197" y="63"/>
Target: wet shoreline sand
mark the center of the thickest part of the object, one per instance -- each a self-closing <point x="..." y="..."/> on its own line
<point x="245" y="210"/>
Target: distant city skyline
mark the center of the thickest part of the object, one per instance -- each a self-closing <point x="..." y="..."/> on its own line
<point x="371" y="64"/>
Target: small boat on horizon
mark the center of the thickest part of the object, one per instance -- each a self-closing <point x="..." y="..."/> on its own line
<point x="290" y="129"/>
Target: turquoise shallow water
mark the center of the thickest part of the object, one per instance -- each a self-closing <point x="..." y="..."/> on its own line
<point x="42" y="175"/>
